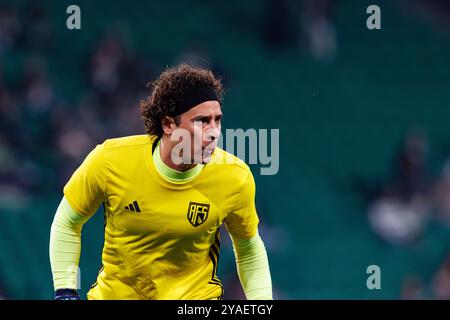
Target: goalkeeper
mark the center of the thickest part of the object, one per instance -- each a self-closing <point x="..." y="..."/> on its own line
<point x="164" y="205"/>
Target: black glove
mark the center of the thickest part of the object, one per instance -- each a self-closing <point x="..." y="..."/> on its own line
<point x="66" y="294"/>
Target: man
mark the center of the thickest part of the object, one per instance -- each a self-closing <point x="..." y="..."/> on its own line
<point x="164" y="204"/>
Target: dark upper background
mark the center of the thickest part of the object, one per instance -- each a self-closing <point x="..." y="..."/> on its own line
<point x="363" y="118"/>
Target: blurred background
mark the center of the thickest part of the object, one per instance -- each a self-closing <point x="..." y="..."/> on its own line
<point x="363" y="115"/>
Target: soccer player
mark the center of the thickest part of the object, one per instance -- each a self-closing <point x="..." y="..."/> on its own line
<point x="163" y="211"/>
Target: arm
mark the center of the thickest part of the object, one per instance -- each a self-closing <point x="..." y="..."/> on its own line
<point x="83" y="194"/>
<point x="253" y="268"/>
<point x="251" y="257"/>
<point x="65" y="249"/>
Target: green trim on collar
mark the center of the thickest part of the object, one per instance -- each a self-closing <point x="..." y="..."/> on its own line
<point x="170" y="174"/>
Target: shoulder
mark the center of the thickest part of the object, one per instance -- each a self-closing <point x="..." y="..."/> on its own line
<point x="222" y="157"/>
<point x="125" y="152"/>
<point x="128" y="141"/>
<point x="230" y="166"/>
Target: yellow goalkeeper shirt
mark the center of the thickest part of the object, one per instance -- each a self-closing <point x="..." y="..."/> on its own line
<point x="161" y="238"/>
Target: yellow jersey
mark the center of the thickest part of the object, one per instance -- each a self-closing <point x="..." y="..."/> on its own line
<point x="162" y="238"/>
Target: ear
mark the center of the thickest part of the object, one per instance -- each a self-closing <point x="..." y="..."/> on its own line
<point x="168" y="124"/>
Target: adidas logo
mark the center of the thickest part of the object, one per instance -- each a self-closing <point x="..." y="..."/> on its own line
<point x="133" y="207"/>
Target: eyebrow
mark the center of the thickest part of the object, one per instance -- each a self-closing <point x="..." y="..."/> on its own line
<point x="207" y="116"/>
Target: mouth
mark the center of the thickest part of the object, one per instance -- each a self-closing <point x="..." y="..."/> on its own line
<point x="209" y="147"/>
<point x="207" y="153"/>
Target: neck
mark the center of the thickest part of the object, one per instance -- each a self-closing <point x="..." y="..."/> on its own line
<point x="165" y="153"/>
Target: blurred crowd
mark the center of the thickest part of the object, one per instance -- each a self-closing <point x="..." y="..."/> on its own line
<point x="307" y="25"/>
<point x="44" y="135"/>
<point x="402" y="207"/>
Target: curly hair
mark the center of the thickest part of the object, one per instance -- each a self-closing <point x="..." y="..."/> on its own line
<point x="170" y="88"/>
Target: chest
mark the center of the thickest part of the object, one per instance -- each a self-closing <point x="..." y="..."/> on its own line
<point x="149" y="208"/>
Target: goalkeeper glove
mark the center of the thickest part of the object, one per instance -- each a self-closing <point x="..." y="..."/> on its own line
<point x="66" y="294"/>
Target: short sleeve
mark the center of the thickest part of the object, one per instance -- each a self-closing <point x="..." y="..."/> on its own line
<point x="242" y="221"/>
<point x="85" y="191"/>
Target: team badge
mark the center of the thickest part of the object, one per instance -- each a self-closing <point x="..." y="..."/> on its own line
<point x="197" y="213"/>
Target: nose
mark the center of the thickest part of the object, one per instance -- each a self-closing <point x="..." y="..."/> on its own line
<point x="211" y="135"/>
<point x="213" y="124"/>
